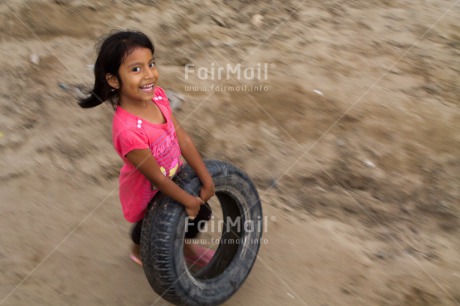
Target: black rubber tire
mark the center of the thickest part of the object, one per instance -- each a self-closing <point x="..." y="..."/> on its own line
<point x="162" y="239"/>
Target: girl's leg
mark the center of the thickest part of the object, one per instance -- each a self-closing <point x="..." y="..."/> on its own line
<point x="136" y="232"/>
<point x="136" y="238"/>
<point x="194" y="253"/>
<point x="194" y="227"/>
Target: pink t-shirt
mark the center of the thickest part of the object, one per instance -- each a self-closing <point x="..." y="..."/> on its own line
<point x="130" y="132"/>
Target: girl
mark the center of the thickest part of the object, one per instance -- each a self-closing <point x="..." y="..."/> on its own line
<point x="146" y="134"/>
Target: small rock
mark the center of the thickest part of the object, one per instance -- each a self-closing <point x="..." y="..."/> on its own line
<point x="345" y="290"/>
<point x="382" y="255"/>
<point x="257" y="20"/>
<point x="62" y="2"/>
<point x="318" y="92"/>
<point x="369" y="163"/>
<point x="229" y="42"/>
<point x="218" y="21"/>
<point x="34" y="58"/>
<point x="2" y="135"/>
<point x="63" y="86"/>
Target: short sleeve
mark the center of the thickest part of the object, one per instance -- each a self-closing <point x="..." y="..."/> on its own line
<point x="129" y="140"/>
<point x="162" y="99"/>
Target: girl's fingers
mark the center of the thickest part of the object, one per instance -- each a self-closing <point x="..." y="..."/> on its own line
<point x="192" y="212"/>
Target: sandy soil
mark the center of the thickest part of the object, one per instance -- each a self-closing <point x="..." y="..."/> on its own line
<point x="354" y="146"/>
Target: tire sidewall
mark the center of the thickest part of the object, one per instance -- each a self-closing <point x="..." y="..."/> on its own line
<point x="182" y="286"/>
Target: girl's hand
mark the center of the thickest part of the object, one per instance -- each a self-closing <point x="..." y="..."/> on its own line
<point x="207" y="192"/>
<point x="193" y="207"/>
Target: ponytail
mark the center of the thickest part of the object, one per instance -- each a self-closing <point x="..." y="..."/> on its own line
<point x="89" y="102"/>
<point x="100" y="93"/>
<point x="102" y="90"/>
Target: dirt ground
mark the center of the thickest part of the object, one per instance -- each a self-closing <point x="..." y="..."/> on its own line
<point x="353" y="143"/>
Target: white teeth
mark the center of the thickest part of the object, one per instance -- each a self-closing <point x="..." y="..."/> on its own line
<point x="150" y="86"/>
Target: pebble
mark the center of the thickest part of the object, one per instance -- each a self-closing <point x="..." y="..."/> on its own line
<point x="369" y="163"/>
<point x="34" y="58"/>
<point x="218" y="21"/>
<point x="257" y="20"/>
<point x="384" y="255"/>
<point x="318" y="92"/>
<point x="63" y="86"/>
<point x="2" y="135"/>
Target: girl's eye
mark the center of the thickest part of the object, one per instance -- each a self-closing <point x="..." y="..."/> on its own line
<point x="152" y="64"/>
<point x="136" y="69"/>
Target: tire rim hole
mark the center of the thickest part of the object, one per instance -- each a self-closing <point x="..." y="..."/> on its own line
<point x="221" y="234"/>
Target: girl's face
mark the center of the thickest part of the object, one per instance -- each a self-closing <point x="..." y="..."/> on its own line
<point x="138" y="75"/>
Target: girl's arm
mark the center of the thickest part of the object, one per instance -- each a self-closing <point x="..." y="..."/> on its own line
<point x="193" y="158"/>
<point x="144" y="161"/>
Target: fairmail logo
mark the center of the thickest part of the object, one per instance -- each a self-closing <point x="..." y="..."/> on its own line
<point x="237" y="224"/>
<point x="229" y="71"/>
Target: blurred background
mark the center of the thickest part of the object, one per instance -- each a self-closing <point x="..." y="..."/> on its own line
<point x="350" y="131"/>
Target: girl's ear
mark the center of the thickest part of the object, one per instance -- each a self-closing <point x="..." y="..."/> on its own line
<point x="112" y="80"/>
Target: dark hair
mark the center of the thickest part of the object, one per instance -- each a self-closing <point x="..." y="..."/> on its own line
<point x="112" y="51"/>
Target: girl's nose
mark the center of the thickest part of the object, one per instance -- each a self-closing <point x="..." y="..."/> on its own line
<point x="149" y="73"/>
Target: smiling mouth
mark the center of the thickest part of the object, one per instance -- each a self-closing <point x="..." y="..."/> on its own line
<point x="147" y="88"/>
